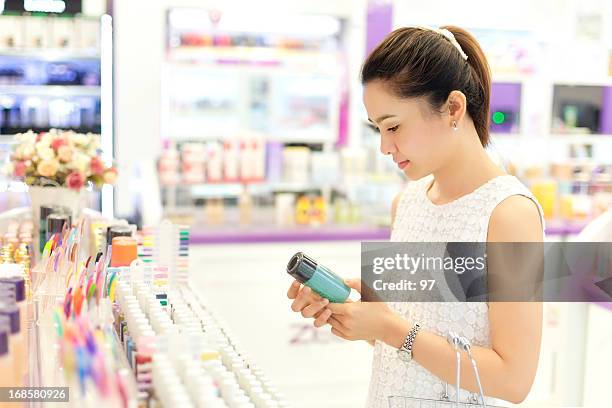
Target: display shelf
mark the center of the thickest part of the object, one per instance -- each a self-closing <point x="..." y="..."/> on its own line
<point x="559" y="227"/>
<point x="50" y="90"/>
<point x="193" y="135"/>
<point x="582" y="81"/>
<point x="218" y="190"/>
<point x="582" y="137"/>
<point x="557" y="137"/>
<point x="254" y="54"/>
<point x="294" y="234"/>
<point x="510" y="78"/>
<point x="51" y="54"/>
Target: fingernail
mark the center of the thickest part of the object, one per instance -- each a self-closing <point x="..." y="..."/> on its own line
<point x="325" y="302"/>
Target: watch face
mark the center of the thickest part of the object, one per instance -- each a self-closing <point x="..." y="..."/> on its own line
<point x="404" y="355"/>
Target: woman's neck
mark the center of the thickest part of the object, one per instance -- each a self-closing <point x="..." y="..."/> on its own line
<point x="464" y="173"/>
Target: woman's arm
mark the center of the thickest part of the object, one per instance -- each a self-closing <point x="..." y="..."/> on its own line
<point x="393" y="212"/>
<point x="508" y="368"/>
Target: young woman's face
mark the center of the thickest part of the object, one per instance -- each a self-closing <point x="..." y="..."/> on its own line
<point x="419" y="139"/>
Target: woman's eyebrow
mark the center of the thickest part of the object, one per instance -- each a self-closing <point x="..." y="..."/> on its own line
<point x="381" y="118"/>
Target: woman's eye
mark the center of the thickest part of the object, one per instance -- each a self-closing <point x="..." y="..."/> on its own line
<point x="393" y="129"/>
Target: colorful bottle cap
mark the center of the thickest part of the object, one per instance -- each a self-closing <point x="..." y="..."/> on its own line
<point x="56" y="222"/>
<point x="46" y="210"/>
<point x="3" y="340"/>
<point x="117" y="231"/>
<point x="125" y="250"/>
<point x="12" y="312"/>
<point x="18" y="283"/>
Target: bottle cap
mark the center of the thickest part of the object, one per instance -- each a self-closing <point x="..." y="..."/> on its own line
<point x="117" y="231"/>
<point x="124" y="251"/>
<point x="18" y="283"/>
<point x="12" y="312"/>
<point x="45" y="211"/>
<point x="301" y="267"/>
<point x="56" y="222"/>
<point x="4" y="332"/>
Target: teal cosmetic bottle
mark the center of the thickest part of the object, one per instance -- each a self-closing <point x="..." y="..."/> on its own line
<point x="318" y="278"/>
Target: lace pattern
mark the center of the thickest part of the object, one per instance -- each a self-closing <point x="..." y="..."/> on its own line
<point x="419" y="220"/>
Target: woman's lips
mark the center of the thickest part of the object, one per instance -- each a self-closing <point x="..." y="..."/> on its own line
<point x="403" y="164"/>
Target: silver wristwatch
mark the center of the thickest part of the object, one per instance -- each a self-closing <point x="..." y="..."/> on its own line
<point x="405" y="352"/>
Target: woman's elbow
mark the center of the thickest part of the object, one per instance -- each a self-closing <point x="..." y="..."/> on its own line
<point x="517" y="391"/>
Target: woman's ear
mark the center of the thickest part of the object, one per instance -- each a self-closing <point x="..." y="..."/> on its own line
<point x="457" y="106"/>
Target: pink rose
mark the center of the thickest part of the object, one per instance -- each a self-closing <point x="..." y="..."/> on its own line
<point x="110" y="176"/>
<point x="57" y="143"/>
<point x="64" y="153"/>
<point x="47" y="168"/>
<point x="19" y="170"/>
<point x="75" y="180"/>
<point x="97" y="167"/>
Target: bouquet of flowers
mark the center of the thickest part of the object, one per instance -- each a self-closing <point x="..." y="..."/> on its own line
<point x="60" y="159"/>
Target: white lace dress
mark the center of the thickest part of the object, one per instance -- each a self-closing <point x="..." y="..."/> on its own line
<point x="419" y="220"/>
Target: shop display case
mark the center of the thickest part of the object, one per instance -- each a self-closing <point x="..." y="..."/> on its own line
<point x="252" y="129"/>
<point x="55" y="73"/>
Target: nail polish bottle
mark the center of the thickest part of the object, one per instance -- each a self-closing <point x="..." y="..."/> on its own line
<point x="317" y="277"/>
<point x="6" y="365"/>
<point x="56" y="223"/>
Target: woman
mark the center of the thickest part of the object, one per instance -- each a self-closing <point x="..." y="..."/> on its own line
<point x="427" y="91"/>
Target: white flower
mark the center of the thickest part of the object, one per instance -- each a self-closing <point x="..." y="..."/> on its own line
<point x="81" y="162"/>
<point x="27" y="138"/>
<point x="45" y="152"/>
<point x="47" y="138"/>
<point x="28" y="151"/>
<point x="79" y="139"/>
<point x="95" y="142"/>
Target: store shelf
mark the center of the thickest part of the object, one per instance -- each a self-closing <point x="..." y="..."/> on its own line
<point x="220" y="190"/>
<point x="564" y="227"/>
<point x="251" y="55"/>
<point x="295" y="234"/>
<point x="583" y="81"/>
<point x="581" y="138"/>
<point x="50" y="90"/>
<point x="50" y="54"/>
<point x="510" y="78"/>
<point x="194" y="135"/>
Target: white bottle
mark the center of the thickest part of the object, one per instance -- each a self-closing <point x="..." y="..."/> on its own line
<point x="230" y="161"/>
<point x="214" y="162"/>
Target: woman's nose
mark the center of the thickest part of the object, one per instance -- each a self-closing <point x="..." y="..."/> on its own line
<point x="386" y="145"/>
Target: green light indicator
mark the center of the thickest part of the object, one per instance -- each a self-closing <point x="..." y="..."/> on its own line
<point x="499" y="118"/>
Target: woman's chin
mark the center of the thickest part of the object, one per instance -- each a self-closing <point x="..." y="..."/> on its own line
<point x="414" y="173"/>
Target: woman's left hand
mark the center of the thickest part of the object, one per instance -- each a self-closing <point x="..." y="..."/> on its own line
<point x="361" y="320"/>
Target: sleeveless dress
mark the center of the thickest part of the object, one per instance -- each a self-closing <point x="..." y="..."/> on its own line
<point x="419" y="220"/>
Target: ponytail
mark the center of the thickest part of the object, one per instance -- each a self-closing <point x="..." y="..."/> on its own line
<point x="482" y="76"/>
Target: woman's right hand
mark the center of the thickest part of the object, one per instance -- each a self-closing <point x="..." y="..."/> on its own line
<point x="310" y="304"/>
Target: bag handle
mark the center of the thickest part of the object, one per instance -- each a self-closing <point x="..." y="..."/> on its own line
<point x="462" y="344"/>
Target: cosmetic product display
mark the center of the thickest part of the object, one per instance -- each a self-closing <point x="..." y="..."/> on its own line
<point x="318" y="277"/>
<point x="124" y="327"/>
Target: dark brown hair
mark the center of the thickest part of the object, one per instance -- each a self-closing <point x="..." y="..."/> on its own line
<point x="423" y="63"/>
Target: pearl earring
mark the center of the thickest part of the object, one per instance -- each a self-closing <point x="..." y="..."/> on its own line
<point x="455" y="128"/>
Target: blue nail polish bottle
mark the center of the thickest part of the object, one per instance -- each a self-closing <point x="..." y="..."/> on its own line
<point x="317" y="277"/>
